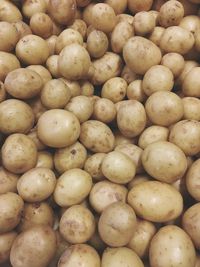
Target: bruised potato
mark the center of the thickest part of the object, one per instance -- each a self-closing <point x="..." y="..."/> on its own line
<point x="191" y="107"/>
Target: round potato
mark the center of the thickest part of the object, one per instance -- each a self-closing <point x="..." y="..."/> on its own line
<point x="41" y="25"/>
<point x="80" y="26"/>
<point x="137" y="6"/>
<point x="9" y="12"/>
<point x="8" y="62"/>
<point x="191" y="106"/>
<point x="6" y="241"/>
<point x="190" y="23"/>
<point x="42" y="71"/>
<point x="144" y="23"/>
<point x="119" y="6"/>
<point x="156" y="34"/>
<point x="9" y="36"/>
<point x="93" y="166"/>
<point x="191" y="83"/>
<point x="45" y="160"/>
<point x="192" y="180"/>
<point x="22" y="28"/>
<point x="104" y="110"/>
<point x="175" y="62"/>
<point x="8" y="181"/>
<point x="74" y="87"/>
<point x="52" y="66"/>
<point x="87" y="88"/>
<point x="29" y="7"/>
<point x="135" y="91"/>
<point x="97" y="43"/>
<point x="189" y="65"/>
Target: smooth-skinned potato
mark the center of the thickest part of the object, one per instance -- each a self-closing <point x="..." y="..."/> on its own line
<point x="8" y="181"/>
<point x="93" y="166"/>
<point x="52" y="66"/>
<point x="45" y="160"/>
<point x="192" y="180"/>
<point x="9" y="36"/>
<point x="136" y="5"/>
<point x="29" y="7"/>
<point x="8" y="62"/>
<point x="42" y="71"/>
<point x="6" y="241"/>
<point x="135" y="91"/>
<point x="144" y="23"/>
<point x="9" y="12"/>
<point x="190" y="85"/>
<point x="191" y="107"/>
<point x="41" y="25"/>
<point x="175" y="62"/>
<point x="97" y="43"/>
<point x="119" y="6"/>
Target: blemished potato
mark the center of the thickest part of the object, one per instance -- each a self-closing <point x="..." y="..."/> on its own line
<point x="36" y="184"/>
<point x="65" y="133"/>
<point x="118" y="257"/>
<point x="51" y="42"/>
<point x="175" y="62"/>
<point x="80" y="224"/>
<point x="131" y="118"/>
<point x="140" y="47"/>
<point x="192" y="180"/>
<point x="181" y="40"/>
<point x="8" y="181"/>
<point x="156" y="34"/>
<point x="52" y="66"/>
<point x="161" y="103"/>
<point x="119" y="6"/>
<point x="125" y="17"/>
<point x="93" y="166"/>
<point x="9" y="12"/>
<point x="150" y="201"/>
<point x="105" y="193"/>
<point x="106" y="67"/>
<point x="8" y="62"/>
<point x="19" y="153"/>
<point x="190" y="85"/>
<point x="62" y="11"/>
<point x="34" y="137"/>
<point x="167" y="240"/>
<point x="36" y="214"/>
<point x="118" y="39"/>
<point x="104" y="110"/>
<point x="156" y="76"/>
<point x="137" y="6"/>
<point x="97" y="136"/>
<point x="141" y="238"/>
<point x="6" y="241"/>
<point x="171" y="13"/>
<point x="97" y="43"/>
<point x="68" y="65"/>
<point x="80" y="26"/>
<point x="81" y="106"/>
<point x="172" y="162"/>
<point x="45" y="160"/>
<point x="117" y="224"/>
<point x="87" y="88"/>
<point x="2" y="92"/>
<point x="135" y="91"/>
<point x="34" y="247"/>
<point x="29" y="7"/>
<point x="15" y="117"/>
<point x="41" y="25"/>
<point x="10" y="212"/>
<point x="22" y="28"/>
<point x="72" y="187"/>
<point x="87" y="14"/>
<point x="83" y="253"/>
<point x="144" y="23"/>
<point x="23" y="83"/>
<point x="9" y="36"/>
<point x="32" y="49"/>
<point x="139" y="178"/>
<point x="191" y="107"/>
<point x="190" y="23"/>
<point x="74" y="87"/>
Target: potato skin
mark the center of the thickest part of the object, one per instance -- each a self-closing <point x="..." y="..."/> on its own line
<point x="192" y="180"/>
<point x="8" y="181"/>
<point x="8" y="62"/>
<point x="6" y="241"/>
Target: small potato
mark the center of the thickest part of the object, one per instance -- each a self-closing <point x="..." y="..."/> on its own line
<point x="118" y="167"/>
<point x="118" y="39"/>
<point x="87" y="14"/>
<point x="144" y="23"/>
<point x="167" y="240"/>
<point x="87" y="88"/>
<point x="41" y="25"/>
<point x="140" y="47"/>
<point x="189" y="65"/>
<point x="19" y="153"/>
<point x="83" y="253"/>
<point x="80" y="224"/>
<point x="118" y="257"/>
<point x="15" y="117"/>
<point x="137" y="6"/>
<point x="191" y="107"/>
<point x="9" y="12"/>
<point x="117" y="224"/>
<point x="119" y="6"/>
<point x="156" y="76"/>
<point x="97" y="136"/>
<point x="93" y="166"/>
<point x="80" y="26"/>
<point x="6" y="241"/>
<point x="51" y="42"/>
<point x="9" y="36"/>
<point x="138" y="179"/>
<point x="72" y="187"/>
<point x="37" y="107"/>
<point x="97" y="43"/>
<point x="22" y="28"/>
<point x="176" y="39"/>
<point x="74" y="87"/>
<point x="11" y="206"/>
<point x="192" y="180"/>
<point x="135" y="91"/>
<point x="23" y="83"/>
<point x="29" y="7"/>
<point x="150" y="201"/>
<point x="125" y="17"/>
<point x="34" y="137"/>
<point x="8" y="182"/>
<point x="2" y="92"/>
<point x="141" y="238"/>
<point x="36" y="184"/>
<point x="42" y="71"/>
<point x="52" y="66"/>
<point x="8" y="63"/>
<point x="68" y="65"/>
<point x="105" y="193"/>
<point x="32" y="49"/>
<point x="155" y="35"/>
<point x="34" y="247"/>
<point x="161" y="102"/>
<point x="131" y="118"/>
<point x="175" y="62"/>
<point x="65" y="133"/>
<point x="190" y="23"/>
<point x="45" y="160"/>
<point x="191" y="83"/>
<point x="104" y="110"/>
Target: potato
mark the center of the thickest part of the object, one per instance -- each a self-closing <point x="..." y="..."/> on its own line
<point x="175" y="62"/>
<point x="156" y="76"/>
<point x="2" y="92"/>
<point x="105" y="193"/>
<point x="19" y="153"/>
<point x="191" y="84"/>
<point x="8" y="62"/>
<point x="45" y="160"/>
<point x="140" y="47"/>
<point x="97" y="43"/>
<point x="6" y="241"/>
<point x="150" y="201"/>
<point x="15" y="117"/>
<point x="161" y="102"/>
<point x="192" y="180"/>
<point x="8" y="181"/>
<point x="22" y="28"/>
<point x="87" y="14"/>
<point x="36" y="184"/>
<point x="131" y="118"/>
<point x="29" y="7"/>
<point x="191" y="107"/>
<point x="51" y="42"/>
<point x="93" y="166"/>
<point x="106" y="67"/>
<point x="87" y="88"/>
<point x="9" y="12"/>
<point x="139" y="178"/>
<point x="155" y="35"/>
<point x="52" y="66"/>
<point x="9" y="36"/>
<point x="144" y="23"/>
<point x="119" y="6"/>
<point x="167" y="240"/>
<point x="135" y="91"/>
<point x="176" y="39"/>
<point x="96" y="242"/>
<point x="34" y="137"/>
<point x="68" y="65"/>
<point x="10" y="212"/>
<point x="75" y="254"/>
<point x="190" y="23"/>
<point x="118" y="257"/>
<point x="65" y="133"/>
<point x="42" y="71"/>
<point x="80" y="224"/>
<point x="72" y="187"/>
<point x="35" y="214"/>
<point x="34" y="247"/>
<point x="104" y="110"/>
<point x="137" y="6"/>
<point x="117" y="224"/>
<point x="80" y="26"/>
<point x="97" y="136"/>
<point x="23" y="83"/>
<point x="37" y="107"/>
<point x="141" y="238"/>
<point x="125" y="17"/>
<point x="41" y="25"/>
<point x="62" y="11"/>
<point x="74" y="87"/>
<point x="32" y="49"/>
<point x="118" y="39"/>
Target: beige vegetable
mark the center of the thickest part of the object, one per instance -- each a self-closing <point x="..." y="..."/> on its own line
<point x="42" y="71"/>
<point x="189" y="65"/>
<point x="139" y="178"/>
<point x="175" y="62"/>
<point x="29" y="7"/>
<point x="137" y="6"/>
<point x="192" y="180"/>
<point x="191" y="107"/>
<point x="9" y="36"/>
<point x="80" y="26"/>
<point x="9" y="12"/>
<point x="191" y="83"/>
<point x="37" y="107"/>
<point x="8" y="181"/>
<point x="119" y="6"/>
<point x="97" y="43"/>
<point x="104" y="110"/>
<point x="74" y="87"/>
<point x="22" y="28"/>
<point x="144" y="23"/>
<point x="45" y="160"/>
<point x="93" y="166"/>
<point x="41" y="25"/>
<point x="52" y="66"/>
<point x="156" y="34"/>
<point x="6" y="241"/>
<point x="51" y="42"/>
<point x="87" y="88"/>
<point x="190" y="23"/>
<point x="135" y="91"/>
<point x="8" y="62"/>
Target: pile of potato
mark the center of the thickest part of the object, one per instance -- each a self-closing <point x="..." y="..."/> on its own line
<point x="99" y="133"/>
